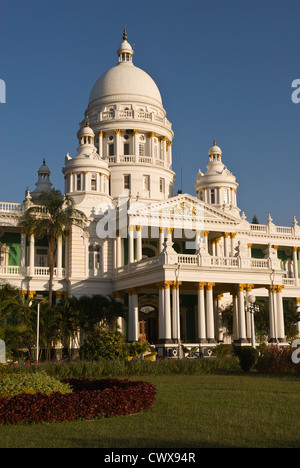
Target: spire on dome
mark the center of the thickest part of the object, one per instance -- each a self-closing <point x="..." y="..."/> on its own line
<point x="125" y="51"/>
<point x="125" y="34"/>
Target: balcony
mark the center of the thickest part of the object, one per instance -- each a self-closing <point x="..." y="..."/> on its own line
<point x="134" y="115"/>
<point x="17" y="271"/>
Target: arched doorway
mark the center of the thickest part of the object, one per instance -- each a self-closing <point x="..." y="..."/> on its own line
<point x="148" y="324"/>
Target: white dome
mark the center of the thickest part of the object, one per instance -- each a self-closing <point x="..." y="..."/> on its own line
<point x="126" y="79"/>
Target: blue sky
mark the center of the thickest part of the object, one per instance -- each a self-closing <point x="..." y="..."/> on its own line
<point x="224" y="69"/>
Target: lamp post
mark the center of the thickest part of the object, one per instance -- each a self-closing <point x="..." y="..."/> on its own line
<point x="251" y="308"/>
<point x="39" y="298"/>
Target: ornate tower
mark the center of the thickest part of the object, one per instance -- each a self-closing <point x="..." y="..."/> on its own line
<point x="218" y="185"/>
<point x="132" y="134"/>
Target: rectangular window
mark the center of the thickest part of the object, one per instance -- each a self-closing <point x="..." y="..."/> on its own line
<point x="146" y="182"/>
<point x="78" y="182"/>
<point x="94" y="182"/>
<point x="141" y="149"/>
<point x="111" y="150"/>
<point x="162" y="185"/>
<point x="127" y="181"/>
<point x="212" y="196"/>
<point x="126" y="149"/>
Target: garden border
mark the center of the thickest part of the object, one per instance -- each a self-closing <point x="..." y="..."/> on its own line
<point x="90" y="399"/>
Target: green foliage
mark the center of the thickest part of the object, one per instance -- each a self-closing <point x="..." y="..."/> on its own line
<point x="248" y="357"/>
<point x="101" y="344"/>
<point x="222" y="350"/>
<point x="50" y="216"/>
<point x="15" y="384"/>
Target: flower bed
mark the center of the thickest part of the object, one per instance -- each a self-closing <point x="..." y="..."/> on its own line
<point x="89" y="399"/>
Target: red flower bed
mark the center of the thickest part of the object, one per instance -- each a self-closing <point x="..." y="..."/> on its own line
<point x="90" y="399"/>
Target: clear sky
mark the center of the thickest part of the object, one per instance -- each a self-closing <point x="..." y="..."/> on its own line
<point x="224" y="69"/>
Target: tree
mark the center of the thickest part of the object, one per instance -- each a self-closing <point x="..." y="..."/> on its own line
<point x="255" y="220"/>
<point x="51" y="215"/>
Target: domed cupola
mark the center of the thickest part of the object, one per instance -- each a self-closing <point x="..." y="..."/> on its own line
<point x="43" y="184"/>
<point x="218" y="185"/>
<point x="125" y="51"/>
<point x="132" y="132"/>
<point x="87" y="177"/>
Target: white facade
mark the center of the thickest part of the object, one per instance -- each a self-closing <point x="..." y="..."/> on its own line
<point x="175" y="260"/>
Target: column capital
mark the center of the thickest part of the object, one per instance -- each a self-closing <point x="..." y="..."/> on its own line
<point x="233" y="235"/>
<point x="249" y="287"/>
<point x="201" y="286"/>
<point x="226" y="235"/>
<point x="139" y="228"/>
<point x="209" y="286"/>
<point x="176" y="284"/>
<point x="241" y="287"/>
<point x="278" y="288"/>
<point x="219" y="296"/>
<point x="167" y="284"/>
<point x="272" y="288"/>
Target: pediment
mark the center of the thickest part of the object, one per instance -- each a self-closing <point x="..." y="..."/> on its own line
<point x="180" y="209"/>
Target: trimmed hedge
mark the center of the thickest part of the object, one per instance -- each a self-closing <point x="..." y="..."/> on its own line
<point x="89" y="399"/>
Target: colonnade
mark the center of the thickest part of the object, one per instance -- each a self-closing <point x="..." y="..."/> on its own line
<point x="209" y="326"/>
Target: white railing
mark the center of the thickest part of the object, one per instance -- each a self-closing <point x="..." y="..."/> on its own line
<point x="224" y="261"/>
<point x="184" y="259"/>
<point x="288" y="281"/>
<point x="260" y="263"/>
<point x="6" y="270"/>
<point x="45" y="271"/>
<point x="11" y="207"/>
<point x="258" y="227"/>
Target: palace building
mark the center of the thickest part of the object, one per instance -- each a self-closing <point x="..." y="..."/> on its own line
<point x="176" y="260"/>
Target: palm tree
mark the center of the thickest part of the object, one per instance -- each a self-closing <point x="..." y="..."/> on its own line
<point x="50" y="215"/>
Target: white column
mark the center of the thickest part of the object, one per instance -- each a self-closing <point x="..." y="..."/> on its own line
<point x="67" y="254"/>
<point x="119" y="261"/>
<point x="31" y="255"/>
<point x="100" y="148"/>
<point x="136" y="145"/>
<point x="272" y="312"/>
<point x="152" y="136"/>
<point x="232" y="236"/>
<point x="219" y="318"/>
<point x="235" y="318"/>
<point x="295" y="264"/>
<point x="210" y="323"/>
<point x="226" y="244"/>
<point x="133" y="318"/>
<point x="59" y="257"/>
<point x="139" y="254"/>
<point x="23" y="253"/>
<point x="131" y="244"/>
<point x="241" y="314"/>
<point x="280" y="315"/>
<point x="161" y="312"/>
<point x="167" y="314"/>
<point x="248" y="314"/>
<point x="161" y="239"/>
<point x="176" y="312"/>
<point x="117" y="147"/>
<point x="201" y="314"/>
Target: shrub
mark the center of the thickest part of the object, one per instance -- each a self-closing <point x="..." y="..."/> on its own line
<point x="248" y="358"/>
<point x="90" y="399"/>
<point x="101" y="344"/>
<point x="276" y="360"/>
<point x="14" y="384"/>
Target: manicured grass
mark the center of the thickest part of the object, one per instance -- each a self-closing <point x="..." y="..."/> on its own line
<point x="191" y="411"/>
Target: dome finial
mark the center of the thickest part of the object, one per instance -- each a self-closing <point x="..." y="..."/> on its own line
<point x="87" y="121"/>
<point x="215" y="143"/>
<point x="125" y="34"/>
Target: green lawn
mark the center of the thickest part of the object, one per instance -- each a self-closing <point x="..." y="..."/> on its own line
<point x="191" y="411"/>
